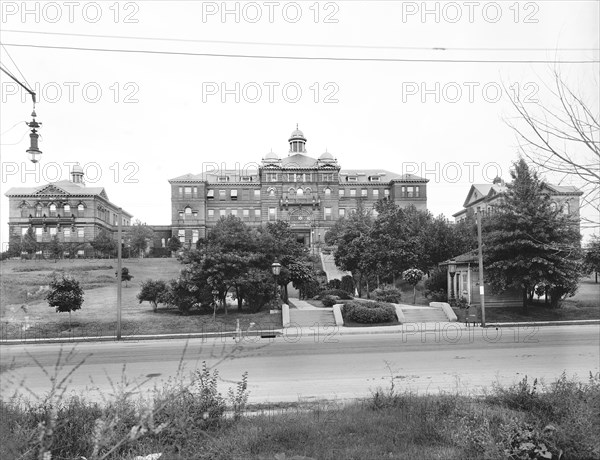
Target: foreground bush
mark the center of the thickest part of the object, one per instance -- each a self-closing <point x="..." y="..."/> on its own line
<point x="369" y="312"/>
<point x="335" y="292"/>
<point x="387" y="294"/>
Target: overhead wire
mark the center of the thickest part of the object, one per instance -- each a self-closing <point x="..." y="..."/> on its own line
<point x="307" y="45"/>
<point x="307" y="58"/>
<point x="17" y="67"/>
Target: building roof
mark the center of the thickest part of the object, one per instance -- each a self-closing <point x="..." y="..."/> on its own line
<point x="467" y="257"/>
<point x="65" y="188"/>
<point x="386" y="176"/>
<point x="299" y="160"/>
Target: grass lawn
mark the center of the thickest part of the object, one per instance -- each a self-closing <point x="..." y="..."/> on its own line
<point x="25" y="314"/>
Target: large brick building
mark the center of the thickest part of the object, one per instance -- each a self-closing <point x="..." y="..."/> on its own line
<point x="69" y="209"/>
<point x="309" y="193"/>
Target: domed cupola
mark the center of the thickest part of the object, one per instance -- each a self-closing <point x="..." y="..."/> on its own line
<point x="271" y="158"/>
<point x="297" y="141"/>
<point x="327" y="157"/>
<point x="77" y="174"/>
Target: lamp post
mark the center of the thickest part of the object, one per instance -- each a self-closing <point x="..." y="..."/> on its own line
<point x="276" y="268"/>
<point x="452" y="271"/>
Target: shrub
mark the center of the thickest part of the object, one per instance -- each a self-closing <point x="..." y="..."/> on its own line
<point x="387" y="294"/>
<point x="347" y="284"/>
<point x="436" y="285"/>
<point x="334" y="284"/>
<point x="369" y="312"/>
<point x="436" y="296"/>
<point x="330" y="300"/>
<point x="335" y="292"/>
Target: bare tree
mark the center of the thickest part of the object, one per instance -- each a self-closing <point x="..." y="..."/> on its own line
<point x="563" y="139"/>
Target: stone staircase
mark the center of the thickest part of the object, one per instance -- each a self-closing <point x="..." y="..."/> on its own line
<point x="330" y="268"/>
<point x="424" y="315"/>
<point x="322" y="317"/>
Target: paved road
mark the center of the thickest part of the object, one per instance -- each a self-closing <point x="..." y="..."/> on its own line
<point x="323" y="366"/>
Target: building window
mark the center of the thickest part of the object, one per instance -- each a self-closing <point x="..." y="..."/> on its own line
<point x="374" y="212"/>
<point x="188" y="212"/>
<point x="80" y="209"/>
<point x="566" y="208"/>
<point x="553" y="206"/>
<point x="246" y="178"/>
<point x="38" y="233"/>
<point x="38" y="210"/>
<point x="386" y="192"/>
<point x="327" y="213"/>
<point x="342" y="212"/>
<point x="257" y="194"/>
<point x="210" y="195"/>
<point x="417" y="192"/>
<point x="257" y="213"/>
<point x="24" y="231"/>
<point x="271" y="177"/>
<point x="353" y="192"/>
<point x="211" y="213"/>
<point x="52" y="210"/>
<point x="327" y="177"/>
<point x="364" y="192"/>
<point x="374" y="179"/>
<point x="351" y="178"/>
<point x="352" y="210"/>
<point x="376" y="193"/>
<point x="24" y="211"/>
<point x="180" y="191"/>
<point x="67" y="209"/>
<point x="222" y="194"/>
<point x="162" y="243"/>
<point x="67" y="233"/>
<point x="188" y="191"/>
<point x="195" y="191"/>
<point x="181" y="234"/>
<point x="195" y="214"/>
<point x="234" y="195"/>
<point x="246" y="213"/>
<point x="234" y="212"/>
<point x="327" y="192"/>
<point x="80" y="253"/>
<point x="80" y="232"/>
<point x="195" y="234"/>
<point x="181" y="214"/>
<point x="300" y="192"/>
<point x="53" y="231"/>
<point x="223" y="179"/>
<point x="271" y="192"/>
<point x="342" y="192"/>
<point x="221" y="213"/>
<point x="272" y="214"/>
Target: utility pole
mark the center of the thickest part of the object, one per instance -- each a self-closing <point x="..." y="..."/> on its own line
<point x="119" y="270"/>
<point x="481" y="285"/>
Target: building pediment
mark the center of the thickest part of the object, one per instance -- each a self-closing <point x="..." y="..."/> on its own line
<point x="51" y="190"/>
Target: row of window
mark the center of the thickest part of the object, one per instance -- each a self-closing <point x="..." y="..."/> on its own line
<point x="67" y="232"/>
<point x="52" y="210"/>
<point x="408" y="192"/>
<point x="247" y="213"/>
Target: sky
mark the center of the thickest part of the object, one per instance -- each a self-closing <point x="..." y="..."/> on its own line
<point x="401" y="86"/>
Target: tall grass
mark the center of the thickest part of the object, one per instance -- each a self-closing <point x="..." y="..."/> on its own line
<point x="194" y="420"/>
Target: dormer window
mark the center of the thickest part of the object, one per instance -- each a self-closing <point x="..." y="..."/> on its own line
<point x="374" y="179"/>
<point x="246" y="178"/>
<point x="351" y="178"/>
<point x="223" y="179"/>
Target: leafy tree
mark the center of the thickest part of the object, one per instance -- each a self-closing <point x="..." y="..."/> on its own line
<point x="104" y="243"/>
<point x="154" y="292"/>
<point x="413" y="276"/>
<point x="65" y="295"/>
<point x="15" y="246"/>
<point x="30" y="243"/>
<point x="592" y="256"/>
<point x="529" y="243"/>
<point x="174" y="244"/>
<point x="56" y="248"/>
<point x="139" y="237"/>
<point x="125" y="275"/>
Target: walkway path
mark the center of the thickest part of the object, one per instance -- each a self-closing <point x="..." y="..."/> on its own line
<point x="330" y="268"/>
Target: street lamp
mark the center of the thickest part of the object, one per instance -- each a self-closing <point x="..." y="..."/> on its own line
<point x="33" y="150"/>
<point x="452" y="271"/>
<point x="276" y="268"/>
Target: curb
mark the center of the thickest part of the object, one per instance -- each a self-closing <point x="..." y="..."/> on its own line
<point x="306" y="332"/>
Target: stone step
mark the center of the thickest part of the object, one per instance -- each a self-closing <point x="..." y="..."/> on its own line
<point x="310" y="318"/>
<point x="425" y="315"/>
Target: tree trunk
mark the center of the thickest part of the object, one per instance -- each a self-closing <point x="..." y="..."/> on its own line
<point x="367" y="283"/>
<point x="377" y="281"/>
<point x="70" y="327"/>
<point x="360" y="285"/>
<point x="525" y="295"/>
<point x="239" y="298"/>
<point x="414" y="294"/>
<point x="154" y="307"/>
<point x="394" y="279"/>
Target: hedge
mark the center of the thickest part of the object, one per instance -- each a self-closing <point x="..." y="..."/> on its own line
<point x="335" y="292"/>
<point x="369" y="312"/>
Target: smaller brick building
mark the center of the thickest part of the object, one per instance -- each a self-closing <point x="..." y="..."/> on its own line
<point x="69" y="209"/>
